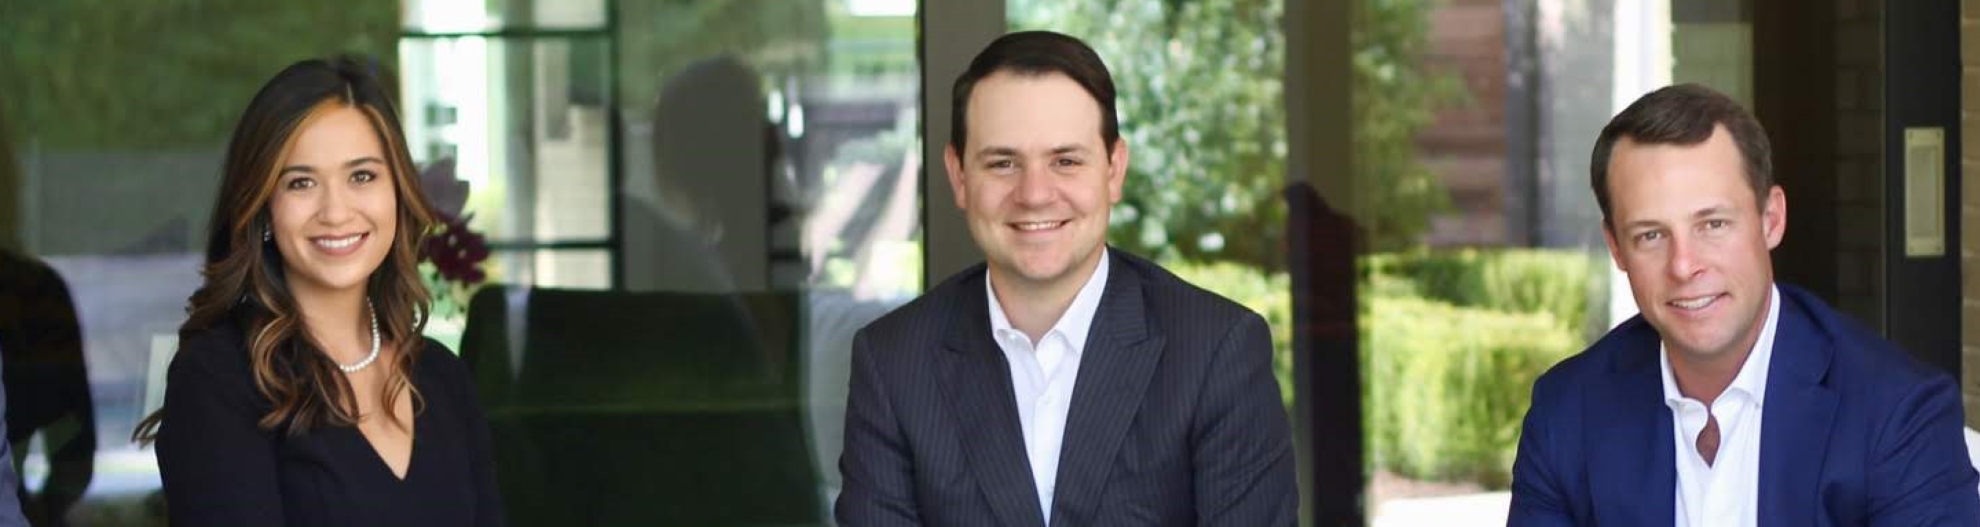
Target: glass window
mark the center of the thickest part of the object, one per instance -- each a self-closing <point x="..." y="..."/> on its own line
<point x="515" y="128"/>
<point x="767" y="189"/>
<point x="688" y="207"/>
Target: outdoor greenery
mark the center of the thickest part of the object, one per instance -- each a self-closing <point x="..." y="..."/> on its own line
<point x="164" y="75"/>
<point x="1395" y="95"/>
<point x="1447" y="386"/>
<point x="1451" y="345"/>
<point x="1517" y="281"/>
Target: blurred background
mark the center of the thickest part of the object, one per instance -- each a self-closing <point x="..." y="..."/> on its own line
<point x="668" y="217"/>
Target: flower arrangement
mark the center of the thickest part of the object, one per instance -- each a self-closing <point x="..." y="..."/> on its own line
<point x="454" y="253"/>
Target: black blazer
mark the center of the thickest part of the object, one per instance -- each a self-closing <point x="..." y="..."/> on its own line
<point x="219" y="468"/>
<point x="1175" y="420"/>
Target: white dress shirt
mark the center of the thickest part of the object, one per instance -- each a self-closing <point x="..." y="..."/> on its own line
<point x="1042" y="375"/>
<point x="1726" y="492"/>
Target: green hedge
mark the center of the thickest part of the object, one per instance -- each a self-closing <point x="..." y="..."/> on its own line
<point x="1451" y="343"/>
<point x="1446" y="386"/>
<point x="1511" y="280"/>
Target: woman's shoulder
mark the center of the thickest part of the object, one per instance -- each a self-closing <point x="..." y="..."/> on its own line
<point x="214" y="358"/>
<point x="439" y="359"/>
<point x="221" y="347"/>
<point x="445" y="375"/>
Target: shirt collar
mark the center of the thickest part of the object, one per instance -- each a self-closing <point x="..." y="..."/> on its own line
<point x="1077" y="320"/>
<point x="1752" y="377"/>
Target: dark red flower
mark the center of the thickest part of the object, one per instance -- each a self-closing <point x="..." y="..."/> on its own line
<point x="457" y="251"/>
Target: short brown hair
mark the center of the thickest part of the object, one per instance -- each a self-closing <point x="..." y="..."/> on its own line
<point x="1684" y="115"/>
<point x="1036" y="54"/>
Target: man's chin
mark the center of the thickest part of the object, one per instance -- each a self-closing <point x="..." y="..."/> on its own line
<point x="1041" y="274"/>
<point x="1700" y="347"/>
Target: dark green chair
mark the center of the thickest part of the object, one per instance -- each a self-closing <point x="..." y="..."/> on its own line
<point x="615" y="408"/>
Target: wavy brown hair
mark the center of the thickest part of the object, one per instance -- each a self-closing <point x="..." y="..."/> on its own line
<point x="243" y="276"/>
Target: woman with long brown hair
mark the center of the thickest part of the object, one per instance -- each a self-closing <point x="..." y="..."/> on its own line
<point x="302" y="392"/>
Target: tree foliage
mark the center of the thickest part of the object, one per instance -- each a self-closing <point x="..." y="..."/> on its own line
<point x="164" y="74"/>
<point x="1395" y="96"/>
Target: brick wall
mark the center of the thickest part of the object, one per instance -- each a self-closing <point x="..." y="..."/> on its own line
<point x="1466" y="145"/>
<point x="1859" y="160"/>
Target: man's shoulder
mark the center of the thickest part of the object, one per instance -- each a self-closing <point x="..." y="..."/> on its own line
<point x="1170" y="298"/>
<point x="1861" y="357"/>
<point x="1632" y="340"/>
<point x="925" y="316"/>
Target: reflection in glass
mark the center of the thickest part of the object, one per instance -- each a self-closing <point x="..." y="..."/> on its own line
<point x="768" y="198"/>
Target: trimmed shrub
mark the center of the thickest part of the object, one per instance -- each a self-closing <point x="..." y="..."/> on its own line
<point x="1446" y="386"/>
<point x="1555" y="282"/>
<point x="1451" y="344"/>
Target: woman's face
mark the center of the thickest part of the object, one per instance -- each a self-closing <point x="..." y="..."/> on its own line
<point x="334" y="209"/>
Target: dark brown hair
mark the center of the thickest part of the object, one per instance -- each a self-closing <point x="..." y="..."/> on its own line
<point x="1036" y="54"/>
<point x="243" y="276"/>
<point x="1685" y="114"/>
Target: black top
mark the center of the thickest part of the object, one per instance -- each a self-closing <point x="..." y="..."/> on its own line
<point x="219" y="468"/>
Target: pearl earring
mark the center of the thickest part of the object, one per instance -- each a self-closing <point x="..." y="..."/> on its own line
<point x="267" y="235"/>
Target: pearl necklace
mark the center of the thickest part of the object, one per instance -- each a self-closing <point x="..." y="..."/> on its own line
<point x="361" y="365"/>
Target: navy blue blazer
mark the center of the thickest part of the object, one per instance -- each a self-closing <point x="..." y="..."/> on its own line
<point x="1856" y="432"/>
<point x="1175" y="420"/>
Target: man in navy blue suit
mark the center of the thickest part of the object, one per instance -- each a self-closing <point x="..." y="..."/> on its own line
<point x="1732" y="400"/>
<point x="1060" y="383"/>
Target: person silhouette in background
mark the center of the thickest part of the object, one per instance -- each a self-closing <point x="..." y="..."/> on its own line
<point x="10" y="480"/>
<point x="707" y="229"/>
<point x="47" y="385"/>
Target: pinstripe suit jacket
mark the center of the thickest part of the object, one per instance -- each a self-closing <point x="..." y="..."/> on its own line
<point x="1175" y="420"/>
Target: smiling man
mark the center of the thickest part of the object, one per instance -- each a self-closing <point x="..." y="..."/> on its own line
<point x="1732" y="400"/>
<point x="1061" y="382"/>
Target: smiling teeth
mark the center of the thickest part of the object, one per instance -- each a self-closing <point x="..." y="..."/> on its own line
<point x="1037" y="225"/>
<point x="1694" y="304"/>
<point x="339" y="244"/>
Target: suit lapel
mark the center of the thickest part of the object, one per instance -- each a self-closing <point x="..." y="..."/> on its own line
<point x="1631" y="462"/>
<point x="983" y="404"/>
<point x="1795" y="425"/>
<point x="1119" y="359"/>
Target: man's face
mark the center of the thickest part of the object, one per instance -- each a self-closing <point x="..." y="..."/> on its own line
<point x="1685" y="226"/>
<point x="1036" y="180"/>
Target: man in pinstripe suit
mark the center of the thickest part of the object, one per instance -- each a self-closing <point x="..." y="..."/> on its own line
<point x="1061" y="382"/>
